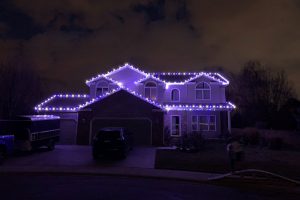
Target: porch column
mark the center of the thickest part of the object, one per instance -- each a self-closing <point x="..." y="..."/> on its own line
<point x="229" y="121"/>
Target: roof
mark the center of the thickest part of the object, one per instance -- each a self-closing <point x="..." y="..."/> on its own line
<point x="73" y="103"/>
<point x="174" y="77"/>
<point x="167" y="77"/>
<point x="63" y="102"/>
<point x="204" y="107"/>
<point x="110" y="73"/>
<point x="40" y="117"/>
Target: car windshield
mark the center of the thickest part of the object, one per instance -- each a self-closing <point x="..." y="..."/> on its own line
<point x="109" y="135"/>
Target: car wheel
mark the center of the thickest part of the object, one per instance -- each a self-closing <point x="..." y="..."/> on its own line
<point x="51" y="145"/>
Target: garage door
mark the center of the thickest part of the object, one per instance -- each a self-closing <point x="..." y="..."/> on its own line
<point x="68" y="131"/>
<point x="141" y="128"/>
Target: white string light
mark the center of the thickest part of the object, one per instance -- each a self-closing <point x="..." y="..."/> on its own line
<point x="186" y="107"/>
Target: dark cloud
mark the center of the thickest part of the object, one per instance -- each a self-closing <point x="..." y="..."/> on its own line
<point x="83" y="37"/>
<point x="118" y="17"/>
<point x="182" y="12"/>
<point x="18" y="25"/>
<point x="152" y="10"/>
<point x="68" y="22"/>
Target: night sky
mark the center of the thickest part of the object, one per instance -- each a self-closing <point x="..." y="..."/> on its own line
<point x="71" y="40"/>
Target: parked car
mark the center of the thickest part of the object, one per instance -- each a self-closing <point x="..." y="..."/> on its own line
<point x="6" y="146"/>
<point x="112" y="141"/>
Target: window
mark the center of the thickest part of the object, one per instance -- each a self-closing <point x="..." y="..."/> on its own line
<point x="175" y="95"/>
<point x="203" y="123"/>
<point x="102" y="88"/>
<point x="175" y="125"/>
<point x="202" y="91"/>
<point x="151" y="90"/>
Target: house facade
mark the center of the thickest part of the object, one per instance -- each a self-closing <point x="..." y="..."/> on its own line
<point x="150" y="105"/>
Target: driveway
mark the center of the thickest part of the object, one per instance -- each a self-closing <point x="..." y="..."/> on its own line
<point x="80" y="156"/>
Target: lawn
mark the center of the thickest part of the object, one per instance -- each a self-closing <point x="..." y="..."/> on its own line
<point x="214" y="159"/>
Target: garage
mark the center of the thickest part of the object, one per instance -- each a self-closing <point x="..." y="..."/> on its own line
<point x="142" y="118"/>
<point x="141" y="128"/>
<point x="68" y="130"/>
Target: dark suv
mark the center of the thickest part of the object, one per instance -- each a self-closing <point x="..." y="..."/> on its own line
<point x="112" y="142"/>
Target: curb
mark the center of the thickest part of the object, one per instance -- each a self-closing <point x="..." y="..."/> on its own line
<point x="125" y="172"/>
<point x="243" y="173"/>
<point x="142" y="173"/>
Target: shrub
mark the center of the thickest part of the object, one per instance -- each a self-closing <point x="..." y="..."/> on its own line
<point x="251" y="136"/>
<point x="192" y="142"/>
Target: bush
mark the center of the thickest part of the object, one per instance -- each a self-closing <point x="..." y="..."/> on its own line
<point x="192" y="142"/>
<point x="251" y="136"/>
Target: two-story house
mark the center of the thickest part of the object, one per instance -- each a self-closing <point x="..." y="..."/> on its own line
<point x="148" y="104"/>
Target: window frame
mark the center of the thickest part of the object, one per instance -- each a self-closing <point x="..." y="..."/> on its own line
<point x="175" y="89"/>
<point x="179" y="126"/>
<point x="202" y="91"/>
<point x="208" y="124"/>
<point x="101" y="88"/>
<point x="151" y="88"/>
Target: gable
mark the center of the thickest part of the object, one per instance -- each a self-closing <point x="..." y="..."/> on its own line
<point x="130" y="104"/>
<point x="202" y="79"/>
<point x="126" y="74"/>
<point x="150" y="79"/>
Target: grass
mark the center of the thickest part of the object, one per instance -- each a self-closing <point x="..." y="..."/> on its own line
<point x="214" y="159"/>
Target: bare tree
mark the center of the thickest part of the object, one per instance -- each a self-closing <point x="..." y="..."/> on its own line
<point x="20" y="88"/>
<point x="259" y="93"/>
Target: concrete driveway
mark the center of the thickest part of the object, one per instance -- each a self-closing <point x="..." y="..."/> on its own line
<point x="80" y="156"/>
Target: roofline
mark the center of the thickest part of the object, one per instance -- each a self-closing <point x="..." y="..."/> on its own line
<point x="166" y="107"/>
<point x="126" y="65"/>
<point x="87" y="103"/>
<point x="39" y="107"/>
<point x="149" y="77"/>
<point x="222" y="79"/>
<point x="204" y="107"/>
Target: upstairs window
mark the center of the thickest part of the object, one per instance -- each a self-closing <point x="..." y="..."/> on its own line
<point x="151" y="90"/>
<point x="175" y="95"/>
<point x="202" y="91"/>
<point x="102" y="88"/>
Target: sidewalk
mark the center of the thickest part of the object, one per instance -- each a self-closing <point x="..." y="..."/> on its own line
<point x="111" y="171"/>
<point x="74" y="159"/>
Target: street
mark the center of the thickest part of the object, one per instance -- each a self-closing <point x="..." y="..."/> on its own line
<point x="74" y="187"/>
<point x="78" y="156"/>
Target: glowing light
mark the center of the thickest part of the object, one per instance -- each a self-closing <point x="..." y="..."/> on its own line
<point x="222" y="80"/>
<point x="41" y="117"/>
<point x="195" y="75"/>
<point x="212" y="76"/>
<point x="201" y="107"/>
<point x="105" y="75"/>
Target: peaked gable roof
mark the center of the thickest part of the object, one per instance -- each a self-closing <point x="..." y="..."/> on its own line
<point x="184" y="77"/>
<point x="169" y="78"/>
<point x="111" y="73"/>
<point x="149" y="77"/>
<point x="73" y="103"/>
